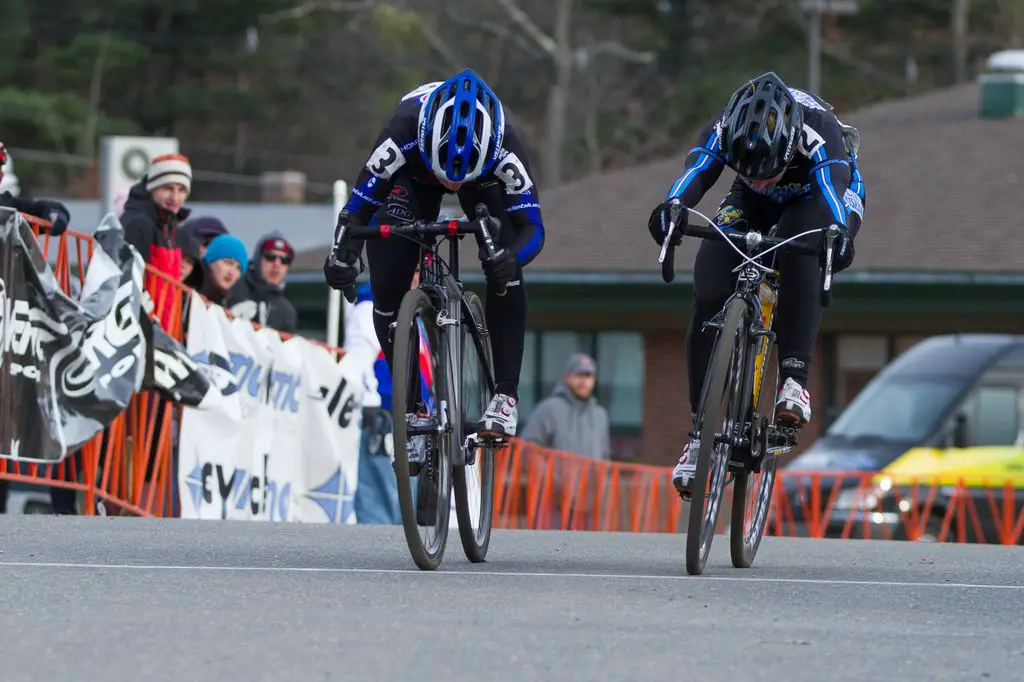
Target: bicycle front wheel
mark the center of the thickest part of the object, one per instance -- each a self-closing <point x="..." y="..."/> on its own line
<point x="422" y="451"/>
<point x="755" y="482"/>
<point x="717" y="417"/>
<point x="474" y="483"/>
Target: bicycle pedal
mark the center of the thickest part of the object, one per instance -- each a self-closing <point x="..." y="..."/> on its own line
<point x="492" y="441"/>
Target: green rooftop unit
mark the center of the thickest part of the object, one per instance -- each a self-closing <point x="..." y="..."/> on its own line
<point x="1002" y="85"/>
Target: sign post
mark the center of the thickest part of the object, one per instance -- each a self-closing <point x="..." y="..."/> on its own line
<point x="334" y="301"/>
<point x="816" y="8"/>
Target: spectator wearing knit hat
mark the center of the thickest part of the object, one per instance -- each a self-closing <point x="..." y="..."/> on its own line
<point x="205" y="228"/>
<point x="152" y="212"/>
<point x="225" y="259"/>
<point x="259" y="296"/>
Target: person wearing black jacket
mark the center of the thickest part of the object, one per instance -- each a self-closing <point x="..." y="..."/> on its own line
<point x="259" y="295"/>
<point x="46" y="209"/>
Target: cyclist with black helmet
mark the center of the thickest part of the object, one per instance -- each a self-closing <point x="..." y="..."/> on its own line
<point x="448" y="137"/>
<point x="796" y="167"/>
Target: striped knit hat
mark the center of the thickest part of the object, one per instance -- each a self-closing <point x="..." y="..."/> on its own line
<point x="168" y="169"/>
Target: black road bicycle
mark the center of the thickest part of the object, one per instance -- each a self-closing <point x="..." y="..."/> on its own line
<point x="442" y="381"/>
<point x="739" y="439"/>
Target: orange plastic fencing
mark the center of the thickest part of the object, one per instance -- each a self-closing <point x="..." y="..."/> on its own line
<point x="538" y="488"/>
<point x="129" y="469"/>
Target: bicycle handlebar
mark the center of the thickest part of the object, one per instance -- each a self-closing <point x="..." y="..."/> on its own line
<point x="751" y="240"/>
<point x="420" y="229"/>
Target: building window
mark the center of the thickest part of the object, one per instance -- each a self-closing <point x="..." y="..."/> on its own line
<point x="620" y="372"/>
<point x="859" y="358"/>
<point x="620" y="366"/>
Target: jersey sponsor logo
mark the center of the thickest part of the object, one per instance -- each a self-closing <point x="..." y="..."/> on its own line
<point x="386" y="159"/>
<point x="728" y="215"/>
<point x="365" y="197"/>
<point x="806" y="99"/>
<point x="512" y="171"/>
<point x="853" y="203"/>
<point x="523" y="206"/>
<point x="782" y="193"/>
<point x="400" y="212"/>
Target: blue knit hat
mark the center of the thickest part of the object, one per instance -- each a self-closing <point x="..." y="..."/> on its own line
<point x="227" y="246"/>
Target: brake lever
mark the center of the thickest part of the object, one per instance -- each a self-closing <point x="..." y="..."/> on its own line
<point x="831" y="234"/>
<point x="483" y="217"/>
<point x="667" y="248"/>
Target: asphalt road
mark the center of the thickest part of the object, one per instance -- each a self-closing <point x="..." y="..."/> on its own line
<point x="128" y="599"/>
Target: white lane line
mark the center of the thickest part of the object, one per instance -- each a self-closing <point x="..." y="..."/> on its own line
<point x="519" y="574"/>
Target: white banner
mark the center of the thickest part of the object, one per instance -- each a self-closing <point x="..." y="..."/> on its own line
<point x="284" y="443"/>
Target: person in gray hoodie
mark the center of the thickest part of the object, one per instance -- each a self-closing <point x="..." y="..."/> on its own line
<point x="571" y="419"/>
<point x="259" y="295"/>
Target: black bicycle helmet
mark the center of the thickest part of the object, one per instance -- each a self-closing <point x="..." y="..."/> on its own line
<point x="761" y="127"/>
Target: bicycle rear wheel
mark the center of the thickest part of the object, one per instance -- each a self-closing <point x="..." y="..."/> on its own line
<point x="425" y="483"/>
<point x="474" y="483"/>
<point x="754" y="484"/>
<point x="717" y="417"/>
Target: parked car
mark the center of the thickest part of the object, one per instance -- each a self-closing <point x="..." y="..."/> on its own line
<point x="941" y="425"/>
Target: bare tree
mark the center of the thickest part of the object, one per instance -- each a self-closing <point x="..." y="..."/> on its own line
<point x="560" y="51"/>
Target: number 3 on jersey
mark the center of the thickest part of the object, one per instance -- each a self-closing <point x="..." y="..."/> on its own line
<point x="385" y="160"/>
<point x="514" y="175"/>
<point x="810" y="141"/>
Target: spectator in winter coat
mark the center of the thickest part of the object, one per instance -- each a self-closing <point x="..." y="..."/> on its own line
<point x="152" y="213"/>
<point x="54" y="211"/>
<point x="259" y="296"/>
<point x="204" y="229"/>
<point x="376" y="498"/>
<point x="226" y="259"/>
<point x="570" y="419"/>
<point x="192" y="271"/>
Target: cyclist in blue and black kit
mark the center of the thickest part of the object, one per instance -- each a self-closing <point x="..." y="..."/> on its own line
<point x="449" y="137"/>
<point x="796" y="166"/>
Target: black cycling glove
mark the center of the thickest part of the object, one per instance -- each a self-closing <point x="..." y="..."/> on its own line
<point x="659" y="221"/>
<point x="842" y="250"/>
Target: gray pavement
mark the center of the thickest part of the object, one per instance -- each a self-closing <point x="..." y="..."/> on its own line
<point x="131" y="599"/>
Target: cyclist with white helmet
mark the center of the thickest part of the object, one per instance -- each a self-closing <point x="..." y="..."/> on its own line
<point x="796" y="167"/>
<point x="448" y="137"/>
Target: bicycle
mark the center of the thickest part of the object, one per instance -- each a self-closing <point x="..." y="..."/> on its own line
<point x="738" y="414"/>
<point x="430" y="444"/>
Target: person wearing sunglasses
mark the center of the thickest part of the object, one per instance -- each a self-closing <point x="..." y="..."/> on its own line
<point x="259" y="295"/>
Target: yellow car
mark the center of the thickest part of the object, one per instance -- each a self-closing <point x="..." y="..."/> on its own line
<point x="934" y="447"/>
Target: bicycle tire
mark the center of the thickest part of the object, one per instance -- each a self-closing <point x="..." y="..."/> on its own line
<point x="721" y="384"/>
<point x="744" y="538"/>
<point x="475" y="533"/>
<point x="416" y="305"/>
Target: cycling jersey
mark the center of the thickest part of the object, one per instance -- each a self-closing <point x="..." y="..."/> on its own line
<point x="824" y="166"/>
<point x="396" y="149"/>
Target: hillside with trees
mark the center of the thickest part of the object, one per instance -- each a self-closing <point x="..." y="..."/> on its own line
<point x="256" y="85"/>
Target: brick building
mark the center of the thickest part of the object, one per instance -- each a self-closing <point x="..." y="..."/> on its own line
<point x="938" y="253"/>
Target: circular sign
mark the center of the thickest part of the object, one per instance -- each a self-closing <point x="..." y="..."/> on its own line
<point x="135" y="163"/>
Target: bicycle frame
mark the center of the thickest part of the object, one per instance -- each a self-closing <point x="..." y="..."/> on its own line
<point x="449" y="319"/>
<point x="759" y="292"/>
<point x="449" y="324"/>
